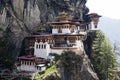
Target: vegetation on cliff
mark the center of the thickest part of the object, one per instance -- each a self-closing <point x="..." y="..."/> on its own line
<point x="7" y="58"/>
<point x="51" y="72"/>
<point x="47" y="73"/>
<point x="69" y="66"/>
<point x="76" y="67"/>
<point x="103" y="57"/>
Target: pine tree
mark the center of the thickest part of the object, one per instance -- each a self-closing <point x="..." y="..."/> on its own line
<point x="103" y="57"/>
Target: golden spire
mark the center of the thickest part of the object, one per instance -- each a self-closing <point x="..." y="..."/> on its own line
<point x="63" y="16"/>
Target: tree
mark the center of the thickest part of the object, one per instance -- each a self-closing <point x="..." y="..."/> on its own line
<point x="103" y="57"/>
<point x="7" y="58"/>
<point x="117" y="52"/>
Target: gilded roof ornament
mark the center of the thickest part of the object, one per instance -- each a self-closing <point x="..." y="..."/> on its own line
<point x="63" y="17"/>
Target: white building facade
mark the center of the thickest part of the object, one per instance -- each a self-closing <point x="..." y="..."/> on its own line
<point x="41" y="49"/>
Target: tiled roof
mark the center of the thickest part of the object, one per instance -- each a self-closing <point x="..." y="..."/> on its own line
<point x="27" y="57"/>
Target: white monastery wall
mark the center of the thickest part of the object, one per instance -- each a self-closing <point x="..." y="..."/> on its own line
<point x="27" y="68"/>
<point x="79" y="44"/>
<point x="65" y="30"/>
<point x="54" y="31"/>
<point x="33" y="68"/>
<point x="57" y="51"/>
<point x="93" y="27"/>
<point x="41" y="49"/>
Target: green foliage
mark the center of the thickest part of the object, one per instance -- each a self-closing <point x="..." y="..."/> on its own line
<point x="1" y="29"/>
<point x="68" y="59"/>
<point x="57" y="57"/>
<point x="47" y="72"/>
<point x="7" y="58"/>
<point x="103" y="57"/>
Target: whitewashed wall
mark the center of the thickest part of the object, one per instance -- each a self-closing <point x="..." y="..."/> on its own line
<point x="58" y="51"/>
<point x="27" y="68"/>
<point x="54" y="31"/>
<point x="42" y="52"/>
<point x="93" y="27"/>
<point x="66" y="30"/>
<point x="79" y="44"/>
<point x="33" y="68"/>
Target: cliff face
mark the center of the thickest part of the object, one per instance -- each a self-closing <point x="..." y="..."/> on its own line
<point x="73" y="66"/>
<point x="22" y="17"/>
<point x="76" y="67"/>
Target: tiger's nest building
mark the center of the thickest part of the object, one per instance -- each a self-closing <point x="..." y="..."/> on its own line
<point x="66" y="34"/>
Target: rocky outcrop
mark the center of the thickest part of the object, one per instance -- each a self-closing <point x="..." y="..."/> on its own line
<point x="74" y="66"/>
<point x="23" y="17"/>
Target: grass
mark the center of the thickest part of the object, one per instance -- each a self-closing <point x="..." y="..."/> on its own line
<point x="47" y="72"/>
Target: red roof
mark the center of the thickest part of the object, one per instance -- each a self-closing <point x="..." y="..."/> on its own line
<point x="41" y="35"/>
<point x="94" y="15"/>
<point x="68" y="34"/>
<point x="60" y="34"/>
<point x="27" y="57"/>
<point x="67" y="22"/>
<point x="65" y="48"/>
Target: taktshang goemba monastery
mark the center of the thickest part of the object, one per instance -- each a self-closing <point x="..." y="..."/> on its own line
<point x="67" y="34"/>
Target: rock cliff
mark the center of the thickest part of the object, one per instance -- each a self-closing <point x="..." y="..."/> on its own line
<point x="76" y="67"/>
<point x="73" y="66"/>
<point x="20" y="18"/>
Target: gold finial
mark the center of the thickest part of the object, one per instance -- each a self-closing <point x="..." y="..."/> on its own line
<point x="63" y="16"/>
<point x="62" y="13"/>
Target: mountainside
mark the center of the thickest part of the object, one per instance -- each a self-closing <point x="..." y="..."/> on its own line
<point x="72" y="66"/>
<point x="20" y="18"/>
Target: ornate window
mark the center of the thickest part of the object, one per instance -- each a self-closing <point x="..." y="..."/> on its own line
<point x="59" y="30"/>
<point x="36" y="46"/>
<point x="44" y="46"/>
